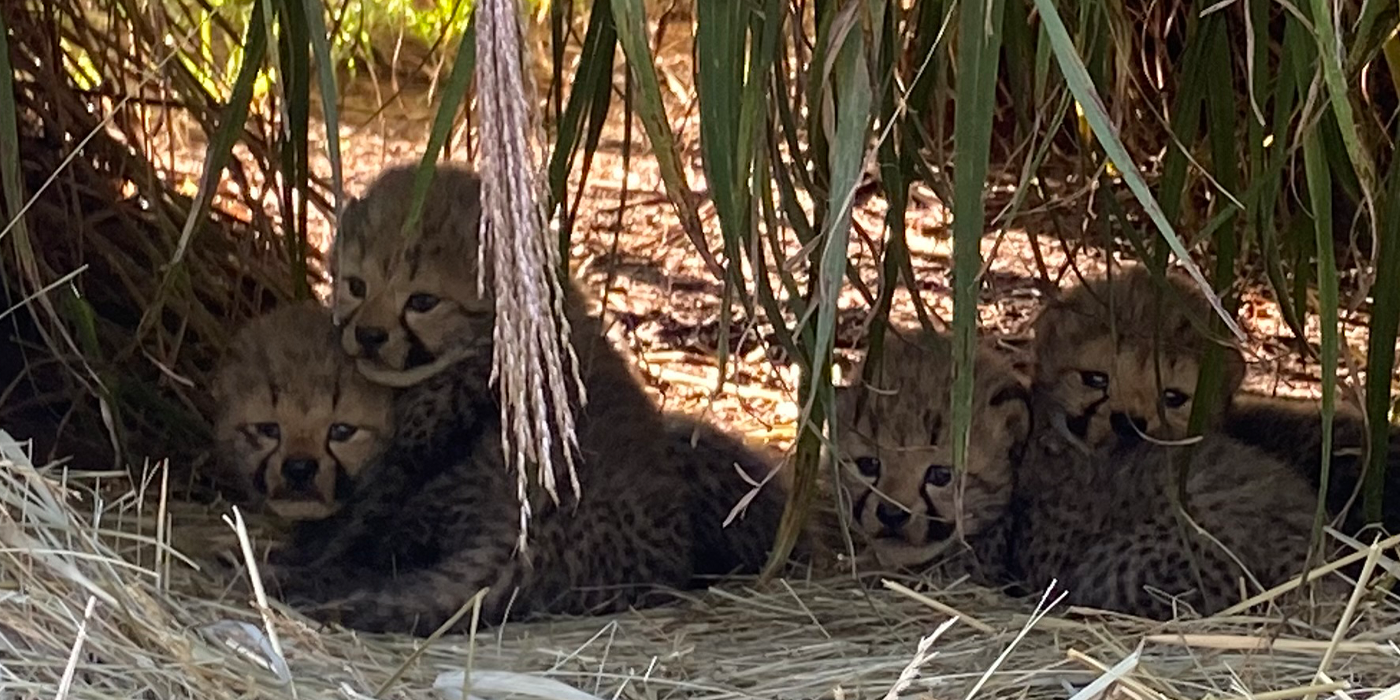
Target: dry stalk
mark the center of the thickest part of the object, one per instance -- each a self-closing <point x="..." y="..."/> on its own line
<point x="943" y="608"/>
<point x="921" y="656"/>
<point x="69" y="537"/>
<point x="528" y="363"/>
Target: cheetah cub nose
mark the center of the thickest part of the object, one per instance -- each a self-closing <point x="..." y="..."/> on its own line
<point x="891" y="515"/>
<point x="299" y="471"/>
<point x="371" y="339"/>
<point x="1123" y="424"/>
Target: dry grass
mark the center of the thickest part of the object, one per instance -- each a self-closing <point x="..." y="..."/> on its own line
<point x="97" y="600"/>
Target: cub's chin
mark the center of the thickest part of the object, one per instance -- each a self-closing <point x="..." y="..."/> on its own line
<point x="302" y="509"/>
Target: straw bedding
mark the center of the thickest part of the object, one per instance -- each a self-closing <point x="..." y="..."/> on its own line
<point x="101" y="596"/>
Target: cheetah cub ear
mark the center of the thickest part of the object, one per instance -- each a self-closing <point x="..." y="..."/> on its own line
<point x="1008" y="414"/>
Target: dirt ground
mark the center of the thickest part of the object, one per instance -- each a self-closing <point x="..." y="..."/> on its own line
<point x="665" y="306"/>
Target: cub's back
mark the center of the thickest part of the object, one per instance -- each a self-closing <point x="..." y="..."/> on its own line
<point x="1105" y="524"/>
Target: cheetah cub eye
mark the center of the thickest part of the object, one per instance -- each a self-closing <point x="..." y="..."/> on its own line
<point x="868" y="467"/>
<point x="340" y="432"/>
<point x="1174" y="398"/>
<point x="1094" y="380"/>
<point x="421" y="303"/>
<point x="271" y="431"/>
<point x="356" y="287"/>
<point x="938" y="475"/>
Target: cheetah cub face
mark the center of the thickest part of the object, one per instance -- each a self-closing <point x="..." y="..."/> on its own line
<point x="895" y="433"/>
<point x="1119" y="361"/>
<point x="296" y="424"/>
<point x="407" y="315"/>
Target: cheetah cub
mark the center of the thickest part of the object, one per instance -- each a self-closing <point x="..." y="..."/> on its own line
<point x="1101" y="523"/>
<point x="1120" y="357"/>
<point x="894" y="431"/>
<point x="296" y="425"/>
<point x="438" y="518"/>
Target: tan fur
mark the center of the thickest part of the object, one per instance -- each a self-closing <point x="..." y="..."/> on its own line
<point x="1104" y="526"/>
<point x="400" y="308"/>
<point x="441" y="520"/>
<point x="895" y="435"/>
<point x="1121" y="356"/>
<point x="296" y="425"/>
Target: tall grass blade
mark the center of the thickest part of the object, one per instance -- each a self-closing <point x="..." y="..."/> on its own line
<point x="296" y="173"/>
<point x="589" y="99"/>
<point x="1185" y="120"/>
<point x="1329" y="51"/>
<point x="766" y="29"/>
<point x="1270" y="184"/>
<point x="630" y="18"/>
<point x="1082" y="87"/>
<point x="10" y="175"/>
<point x="330" y="109"/>
<point x="1319" y="181"/>
<point x="896" y="171"/>
<point x="1221" y="134"/>
<point x="1380" y="355"/>
<point x="979" y="51"/>
<point x="560" y="13"/>
<point x="454" y="93"/>
<point x="758" y="259"/>
<point x="817" y="137"/>
<point x="231" y="123"/>
<point x="852" y="97"/>
<point x="720" y="34"/>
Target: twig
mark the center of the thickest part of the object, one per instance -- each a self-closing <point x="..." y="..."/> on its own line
<point x="1237" y="642"/>
<point x="1372" y="554"/>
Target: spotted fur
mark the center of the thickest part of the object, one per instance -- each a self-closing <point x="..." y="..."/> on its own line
<point x="729" y="480"/>
<point x="1104" y="525"/>
<point x="1290" y="429"/>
